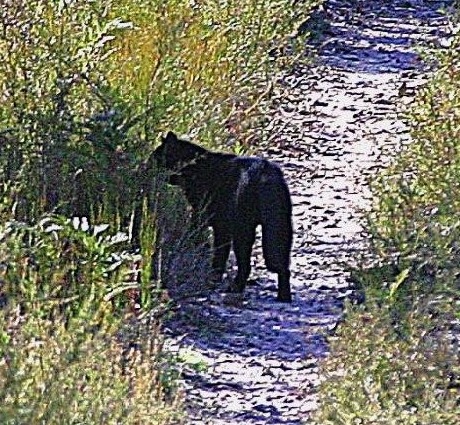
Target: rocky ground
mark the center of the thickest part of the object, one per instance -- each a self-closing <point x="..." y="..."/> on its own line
<point x="335" y="124"/>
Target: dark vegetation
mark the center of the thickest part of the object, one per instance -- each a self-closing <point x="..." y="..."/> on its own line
<point x="396" y="358"/>
<point x="86" y="90"/>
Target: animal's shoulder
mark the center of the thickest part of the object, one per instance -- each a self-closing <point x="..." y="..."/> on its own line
<point x="228" y="169"/>
<point x="255" y="165"/>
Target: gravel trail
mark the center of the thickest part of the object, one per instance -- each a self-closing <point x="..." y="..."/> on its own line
<point x="334" y="125"/>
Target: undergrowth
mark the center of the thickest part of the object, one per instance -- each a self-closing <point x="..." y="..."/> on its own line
<point x="395" y="359"/>
<point x="384" y="372"/>
<point x="90" y="234"/>
<point x="205" y="67"/>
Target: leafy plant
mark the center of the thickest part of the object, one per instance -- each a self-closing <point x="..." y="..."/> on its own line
<point x="62" y="265"/>
<point x="54" y="374"/>
<point x="379" y="373"/>
<point x="205" y="66"/>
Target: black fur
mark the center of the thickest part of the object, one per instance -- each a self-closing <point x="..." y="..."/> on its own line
<point x="237" y="193"/>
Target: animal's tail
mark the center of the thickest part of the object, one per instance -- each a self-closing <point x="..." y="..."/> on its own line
<point x="276" y="213"/>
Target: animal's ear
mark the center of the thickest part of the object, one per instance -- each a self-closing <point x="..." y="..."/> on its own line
<point x="170" y="137"/>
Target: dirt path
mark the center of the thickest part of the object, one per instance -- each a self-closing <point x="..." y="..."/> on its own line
<point x="335" y="124"/>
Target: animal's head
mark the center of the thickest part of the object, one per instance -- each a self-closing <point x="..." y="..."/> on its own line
<point x="173" y="153"/>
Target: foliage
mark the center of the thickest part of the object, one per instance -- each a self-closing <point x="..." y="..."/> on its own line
<point x="69" y="353"/>
<point x="205" y="66"/>
<point x="61" y="266"/>
<point x="86" y="89"/>
<point x="52" y="373"/>
<point x="68" y="144"/>
<point x="415" y="221"/>
<point x="383" y="373"/>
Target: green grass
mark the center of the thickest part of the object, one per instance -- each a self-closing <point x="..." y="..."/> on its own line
<point x="56" y="373"/>
<point x="90" y="234"/>
<point x="203" y="65"/>
<point x="67" y="336"/>
<point x="381" y="371"/>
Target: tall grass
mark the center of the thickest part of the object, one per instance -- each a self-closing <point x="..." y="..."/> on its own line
<point x="203" y="65"/>
<point x="70" y="351"/>
<point x="54" y="374"/>
<point x="89" y="233"/>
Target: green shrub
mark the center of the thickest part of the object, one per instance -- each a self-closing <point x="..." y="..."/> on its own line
<point x="205" y="63"/>
<point x="69" y="144"/>
<point x="61" y="266"/>
<point x="415" y="221"/>
<point x="380" y="372"/>
<point x="54" y="374"/>
<point x="70" y="352"/>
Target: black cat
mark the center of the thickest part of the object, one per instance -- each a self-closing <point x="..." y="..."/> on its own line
<point x="236" y="193"/>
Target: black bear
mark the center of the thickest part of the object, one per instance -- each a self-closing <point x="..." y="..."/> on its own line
<point x="236" y="194"/>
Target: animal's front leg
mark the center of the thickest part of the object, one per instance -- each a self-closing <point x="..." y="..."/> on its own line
<point x="222" y="243"/>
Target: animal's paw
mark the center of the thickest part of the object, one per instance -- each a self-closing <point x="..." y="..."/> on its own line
<point x="284" y="298"/>
<point x="233" y="289"/>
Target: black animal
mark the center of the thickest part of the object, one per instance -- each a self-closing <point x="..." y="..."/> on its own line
<point x="236" y="193"/>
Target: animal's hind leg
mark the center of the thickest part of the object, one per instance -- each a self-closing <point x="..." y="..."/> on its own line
<point x="242" y="244"/>
<point x="284" y="286"/>
<point x="276" y="246"/>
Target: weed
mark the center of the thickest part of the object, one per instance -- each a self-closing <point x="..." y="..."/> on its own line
<point x="378" y="374"/>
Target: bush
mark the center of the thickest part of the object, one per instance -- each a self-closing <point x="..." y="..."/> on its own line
<point x="68" y="143"/>
<point x="205" y="66"/>
<point x="52" y="373"/>
<point x="415" y="222"/>
<point x="70" y="352"/>
<point x="382" y="372"/>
